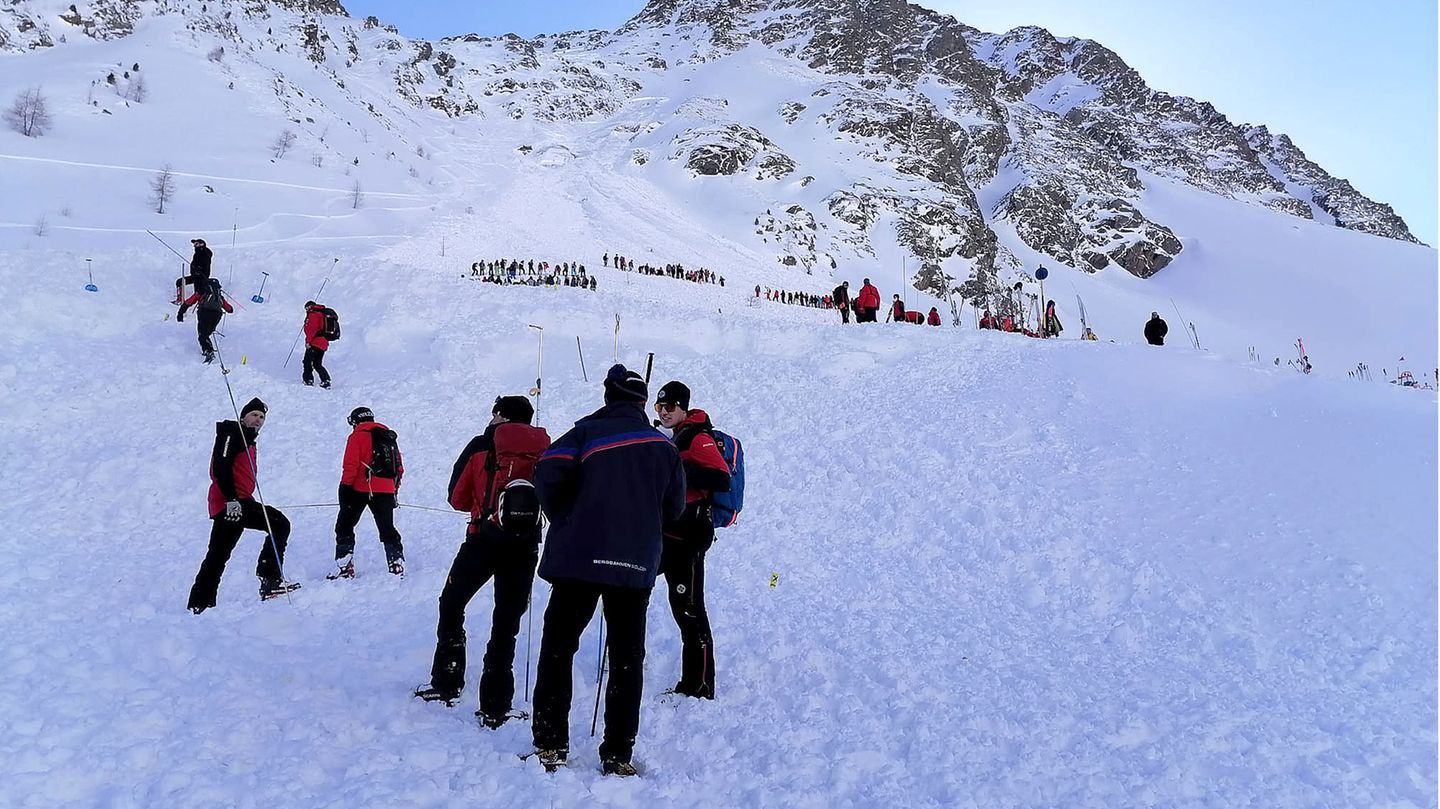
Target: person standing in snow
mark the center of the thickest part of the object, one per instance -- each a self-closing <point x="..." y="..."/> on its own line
<point x="682" y="558"/>
<point x="933" y="318"/>
<point x="233" y="470"/>
<point x="212" y="307"/>
<point x="607" y="485"/>
<point x="315" y="346"/>
<point x="199" y="269"/>
<point x="841" y="296"/>
<point x="897" y="310"/>
<point x="370" y="474"/>
<point x="483" y="483"/>
<point x="867" y="304"/>
<point x="1156" y="329"/>
<point x="1052" y="321"/>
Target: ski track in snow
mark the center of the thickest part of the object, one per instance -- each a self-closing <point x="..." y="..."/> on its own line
<point x="1011" y="573"/>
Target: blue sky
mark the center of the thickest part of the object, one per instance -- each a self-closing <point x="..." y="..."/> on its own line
<point x="1353" y="84"/>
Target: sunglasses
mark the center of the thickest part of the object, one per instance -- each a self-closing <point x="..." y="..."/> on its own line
<point x="663" y="408"/>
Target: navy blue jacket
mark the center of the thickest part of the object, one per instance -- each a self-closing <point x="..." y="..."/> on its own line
<point x="607" y="485"/>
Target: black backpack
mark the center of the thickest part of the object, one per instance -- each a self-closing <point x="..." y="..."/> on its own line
<point x="212" y="300"/>
<point x="331" y="329"/>
<point x="384" y="454"/>
<point x="517" y="509"/>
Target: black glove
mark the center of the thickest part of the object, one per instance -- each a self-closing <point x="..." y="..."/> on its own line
<point x="345" y="493"/>
<point x="180" y="316"/>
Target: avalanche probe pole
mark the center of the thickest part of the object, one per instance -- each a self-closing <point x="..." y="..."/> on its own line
<point x="581" y="352"/>
<point x="529" y="613"/>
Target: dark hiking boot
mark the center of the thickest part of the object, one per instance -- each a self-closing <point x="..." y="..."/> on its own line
<point x="397" y="567"/>
<point x="345" y="571"/>
<point x="494" y="721"/>
<point x="552" y="760"/>
<point x="614" y="766"/>
<point x="430" y="693"/>
<point x="274" y="588"/>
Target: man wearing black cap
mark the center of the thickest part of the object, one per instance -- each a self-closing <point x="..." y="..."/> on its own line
<point x="233" y="469"/>
<point x="370" y="476"/>
<point x="607" y="485"/>
<point x="199" y="269"/>
<point x="689" y="537"/>
<point x="489" y="479"/>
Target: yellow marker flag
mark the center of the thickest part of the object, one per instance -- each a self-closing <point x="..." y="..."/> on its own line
<point x="774" y="580"/>
<point x="167" y="315"/>
<point x="242" y="359"/>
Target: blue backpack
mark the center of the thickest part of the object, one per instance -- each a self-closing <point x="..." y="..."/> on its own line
<point x="726" y="506"/>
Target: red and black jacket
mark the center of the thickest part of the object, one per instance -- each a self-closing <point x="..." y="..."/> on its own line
<point x="355" y="468"/>
<point x="474" y="485"/>
<point x="232" y="465"/>
<point x="314" y="324"/>
<point x="897" y="310"/>
<point x="705" y="473"/>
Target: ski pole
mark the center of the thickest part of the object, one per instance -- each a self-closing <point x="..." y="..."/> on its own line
<point x="649" y="361"/>
<point x="581" y="352"/>
<point x="617" y="337"/>
<point x="599" y="677"/>
<point x="171" y="249"/>
<point x="539" y="365"/>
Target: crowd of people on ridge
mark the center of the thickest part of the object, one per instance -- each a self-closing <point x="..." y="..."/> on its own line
<point x="530" y="273"/>
<point x="677" y="271"/>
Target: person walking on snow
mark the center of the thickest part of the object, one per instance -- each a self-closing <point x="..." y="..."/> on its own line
<point x="867" y="304"/>
<point x="212" y="307"/>
<point x="315" y="346"/>
<point x="1156" y="329"/>
<point x="199" y="269"/>
<point x="370" y="476"/>
<point x="502" y="542"/>
<point x="682" y="558"/>
<point x="233" y="469"/>
<point x="841" y="296"/>
<point x="607" y="486"/>
<point x="897" y="310"/>
<point x="1052" y="321"/>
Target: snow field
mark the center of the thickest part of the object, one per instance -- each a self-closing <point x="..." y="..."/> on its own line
<point x="1011" y="572"/>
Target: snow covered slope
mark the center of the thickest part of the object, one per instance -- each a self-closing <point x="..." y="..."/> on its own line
<point x="1010" y="572"/>
<point x="779" y="166"/>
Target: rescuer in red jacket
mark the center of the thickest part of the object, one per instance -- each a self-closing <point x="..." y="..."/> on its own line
<point x="682" y="555"/>
<point x="867" y="304"/>
<point x="233" y="466"/>
<point x="370" y="478"/>
<point x="315" y="346"/>
<point x="933" y="318"/>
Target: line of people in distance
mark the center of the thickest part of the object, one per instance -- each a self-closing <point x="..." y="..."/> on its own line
<point x="677" y="271"/>
<point x="530" y="273"/>
<point x="625" y="503"/>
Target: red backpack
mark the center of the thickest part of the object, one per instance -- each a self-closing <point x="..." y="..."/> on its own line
<point x="509" y="496"/>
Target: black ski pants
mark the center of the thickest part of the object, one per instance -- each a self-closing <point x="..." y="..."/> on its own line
<point x="511" y="562"/>
<point x="845" y="315"/>
<point x="224" y="534"/>
<point x="313" y="363"/>
<point x="206" y="322"/>
<point x="382" y="507"/>
<point x="682" y="563"/>
<point x="572" y="604"/>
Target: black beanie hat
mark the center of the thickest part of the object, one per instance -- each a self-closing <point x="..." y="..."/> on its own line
<point x="674" y="393"/>
<point x="360" y="414"/>
<point x="253" y="404"/>
<point x="624" y="385"/>
<point x="514" y="408"/>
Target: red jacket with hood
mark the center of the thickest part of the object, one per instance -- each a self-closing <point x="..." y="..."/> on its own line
<point x="314" y="324"/>
<point x="869" y="297"/>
